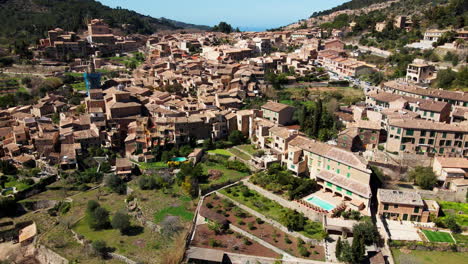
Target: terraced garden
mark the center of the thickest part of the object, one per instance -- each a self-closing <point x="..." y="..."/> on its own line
<point x="273" y="210"/>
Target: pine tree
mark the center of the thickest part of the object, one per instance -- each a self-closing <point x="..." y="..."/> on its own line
<point x="338" y="249"/>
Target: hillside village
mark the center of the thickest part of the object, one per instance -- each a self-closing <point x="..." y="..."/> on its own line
<point x="296" y="145"/>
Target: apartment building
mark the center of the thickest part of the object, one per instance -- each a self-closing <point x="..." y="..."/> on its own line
<point x="427" y="137"/>
<point x="332" y="61"/>
<point x="278" y="113"/>
<point x="337" y="171"/>
<point x="405" y="206"/>
<point x="456" y="98"/>
<point x="425" y="109"/>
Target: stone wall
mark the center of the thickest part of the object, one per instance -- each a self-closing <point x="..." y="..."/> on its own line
<point x="47" y="256"/>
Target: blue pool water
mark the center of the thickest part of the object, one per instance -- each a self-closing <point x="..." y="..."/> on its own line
<point x="321" y="203"/>
<point x="180" y="159"/>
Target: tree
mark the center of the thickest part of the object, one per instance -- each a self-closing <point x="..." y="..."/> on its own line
<point x="338" y="249"/>
<point x="236" y="137"/>
<point x="223" y="27"/>
<point x="359" y="250"/>
<point x="424" y="177"/>
<point x="96" y="216"/>
<point x="116" y="184"/>
<point x="293" y="220"/>
<point x="445" y="78"/>
<point x="121" y="221"/>
<point x="452" y="224"/>
<point x="368" y="232"/>
<point x="100" y="248"/>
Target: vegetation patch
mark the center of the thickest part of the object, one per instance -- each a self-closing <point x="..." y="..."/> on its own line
<point x="174" y="211"/>
<point x="428" y="257"/>
<point x="289" y="218"/>
<point x="221" y="152"/>
<point x="434" y="236"/>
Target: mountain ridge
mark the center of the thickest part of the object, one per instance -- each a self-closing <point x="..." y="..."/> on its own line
<point x="29" y="20"/>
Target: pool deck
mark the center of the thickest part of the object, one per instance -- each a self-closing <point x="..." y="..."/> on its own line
<point x="326" y="197"/>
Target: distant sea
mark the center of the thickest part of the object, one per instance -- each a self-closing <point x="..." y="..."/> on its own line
<point x="255" y="29"/>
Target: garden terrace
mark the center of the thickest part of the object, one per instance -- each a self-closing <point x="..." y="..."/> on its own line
<point x="458" y="210"/>
<point x="403" y="256"/>
<point x="436" y="236"/>
<point x="230" y="242"/>
<point x="221" y="172"/>
<point x="273" y="210"/>
<point x="220" y="210"/>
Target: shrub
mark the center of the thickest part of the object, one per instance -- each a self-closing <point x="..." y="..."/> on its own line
<point x="251" y="226"/>
<point x="247" y="242"/>
<point x="240" y="222"/>
<point x="287" y="240"/>
<point x="259" y="221"/>
<point x="304" y="252"/>
<point x="209" y="205"/>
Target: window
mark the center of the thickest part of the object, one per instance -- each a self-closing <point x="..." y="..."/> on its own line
<point x="399" y="131"/>
<point x="328" y="167"/>
<point x="293" y="167"/>
<point x="337" y="171"/>
<point x="432" y="134"/>
<point x="442" y="142"/>
<point x="385" y="207"/>
<point x="448" y="143"/>
<point x="423" y="133"/>
<point x="405" y="217"/>
<point x="372" y="138"/>
<point x="432" y="114"/>
<point x="395" y="206"/>
<point x="409" y="132"/>
<point x="425" y="113"/>
<point x="441" y="151"/>
<point x="348" y="175"/>
<point x="444" y="134"/>
<point x="422" y="141"/>
<point x="403" y="147"/>
<point x="349" y="193"/>
<point x="430" y="142"/>
<point x="416" y="209"/>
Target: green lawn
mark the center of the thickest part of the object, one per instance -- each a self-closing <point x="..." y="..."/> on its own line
<point x="438" y="236"/>
<point x="19" y="185"/>
<point x="152" y="165"/>
<point x="175" y="211"/>
<point x="453" y="208"/>
<point x="461" y="239"/>
<point x="240" y="154"/>
<point x="270" y="209"/>
<point x="429" y="257"/>
<point x="248" y="148"/>
<point x="228" y="175"/>
<point x="221" y="152"/>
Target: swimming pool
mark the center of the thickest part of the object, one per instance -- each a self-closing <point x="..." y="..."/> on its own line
<point x="321" y="203"/>
<point x="179" y="159"/>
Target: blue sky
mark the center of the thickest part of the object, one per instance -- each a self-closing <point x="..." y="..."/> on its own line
<point x="239" y="13"/>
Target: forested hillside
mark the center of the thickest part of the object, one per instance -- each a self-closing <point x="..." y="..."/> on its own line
<point x="353" y="4"/>
<point x="29" y="20"/>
